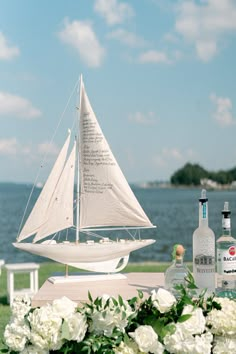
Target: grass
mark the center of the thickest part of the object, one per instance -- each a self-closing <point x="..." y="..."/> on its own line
<point x="45" y="271"/>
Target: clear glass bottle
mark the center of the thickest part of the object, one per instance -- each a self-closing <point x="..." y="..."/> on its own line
<point x="204" y="249"/>
<point x="226" y="258"/>
<point x="176" y="273"/>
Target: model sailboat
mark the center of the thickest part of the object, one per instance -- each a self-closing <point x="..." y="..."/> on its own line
<point x="104" y="201"/>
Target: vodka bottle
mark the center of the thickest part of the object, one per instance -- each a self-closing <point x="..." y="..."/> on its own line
<point x="204" y="249"/>
<point x="226" y="258"/>
<point x="177" y="271"/>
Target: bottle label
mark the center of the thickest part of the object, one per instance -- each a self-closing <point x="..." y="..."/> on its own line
<point x="226" y="224"/>
<point x="226" y="261"/>
<point x="204" y="211"/>
<point x="204" y="264"/>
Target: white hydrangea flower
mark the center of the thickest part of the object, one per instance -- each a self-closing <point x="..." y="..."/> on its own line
<point x="131" y="348"/>
<point x="106" y="318"/>
<point x="74" y="327"/>
<point x="163" y="300"/>
<point x="16" y="335"/>
<point x="45" y="328"/>
<point x="223" y="322"/>
<point x="38" y="341"/>
<point x="64" y="307"/>
<point x="224" y="345"/>
<point x="182" y="342"/>
<point x="147" y="340"/>
<point x="196" y="323"/>
<point x="183" y="339"/>
<point x="31" y="349"/>
<point x="21" y="306"/>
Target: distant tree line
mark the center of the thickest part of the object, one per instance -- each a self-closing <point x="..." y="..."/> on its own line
<point x="191" y="174"/>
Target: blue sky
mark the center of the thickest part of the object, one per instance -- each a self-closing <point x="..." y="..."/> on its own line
<point x="160" y="76"/>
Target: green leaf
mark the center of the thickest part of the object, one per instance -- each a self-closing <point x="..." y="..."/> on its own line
<point x="86" y="349"/>
<point x="98" y="302"/>
<point x="96" y="346"/>
<point x="107" y="303"/>
<point x="90" y="296"/>
<point x="123" y="315"/>
<point x="216" y="305"/>
<point x="120" y="300"/>
<point x="132" y="301"/>
<point x="190" y="281"/>
<point x="184" y="318"/>
<point x="156" y="323"/>
<point x="114" y="301"/>
<point x="168" y="329"/>
<point x="140" y="294"/>
<point x="65" y="330"/>
<point x="126" y="338"/>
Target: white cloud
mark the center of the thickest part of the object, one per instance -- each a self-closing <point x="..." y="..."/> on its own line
<point x="223" y="110"/>
<point x="17" y="106"/>
<point x="204" y="24"/>
<point x="172" y="153"/>
<point x="47" y="148"/>
<point x="153" y="56"/>
<point x="113" y="11"/>
<point x="140" y="118"/>
<point x="206" y="49"/>
<point x="172" y="156"/>
<point x="80" y="35"/>
<point x="7" y="52"/>
<point x="128" y="38"/>
<point x="12" y="147"/>
<point x="8" y="146"/>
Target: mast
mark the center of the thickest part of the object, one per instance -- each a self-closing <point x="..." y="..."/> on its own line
<point x="78" y="172"/>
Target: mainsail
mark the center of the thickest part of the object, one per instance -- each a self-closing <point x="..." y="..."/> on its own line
<point x="106" y="197"/>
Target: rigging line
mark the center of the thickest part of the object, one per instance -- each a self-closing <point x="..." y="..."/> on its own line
<point x="46" y="155"/>
<point x="90" y="233"/>
<point x="131" y="235"/>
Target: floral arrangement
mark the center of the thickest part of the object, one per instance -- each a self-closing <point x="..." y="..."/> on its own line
<point x="161" y="323"/>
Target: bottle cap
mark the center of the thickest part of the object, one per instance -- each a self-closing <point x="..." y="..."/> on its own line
<point x="226" y="212"/>
<point x="178" y="251"/>
<point x="203" y="196"/>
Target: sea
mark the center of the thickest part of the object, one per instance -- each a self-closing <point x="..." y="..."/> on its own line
<point x="174" y="211"/>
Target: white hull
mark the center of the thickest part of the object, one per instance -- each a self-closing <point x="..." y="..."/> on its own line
<point x="100" y="257"/>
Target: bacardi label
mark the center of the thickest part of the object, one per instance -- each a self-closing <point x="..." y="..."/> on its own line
<point x="226" y="260"/>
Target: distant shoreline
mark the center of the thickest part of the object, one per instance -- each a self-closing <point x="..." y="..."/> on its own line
<point x="166" y="185"/>
<point x="142" y="185"/>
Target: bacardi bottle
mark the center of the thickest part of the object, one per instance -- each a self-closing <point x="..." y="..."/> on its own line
<point x="226" y="258"/>
<point x="177" y="272"/>
<point x="204" y="249"/>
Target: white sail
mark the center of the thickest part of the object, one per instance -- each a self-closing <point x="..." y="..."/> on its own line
<point x="104" y="200"/>
<point x="106" y="197"/>
<point x="38" y="215"/>
<point x="59" y="214"/>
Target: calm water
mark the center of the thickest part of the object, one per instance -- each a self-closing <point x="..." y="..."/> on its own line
<point x="174" y="211"/>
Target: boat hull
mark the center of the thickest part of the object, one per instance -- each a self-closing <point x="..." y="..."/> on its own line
<point x="100" y="257"/>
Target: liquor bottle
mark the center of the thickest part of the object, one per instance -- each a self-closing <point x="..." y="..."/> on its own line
<point x="226" y="258"/>
<point x="177" y="272"/>
<point x="204" y="249"/>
